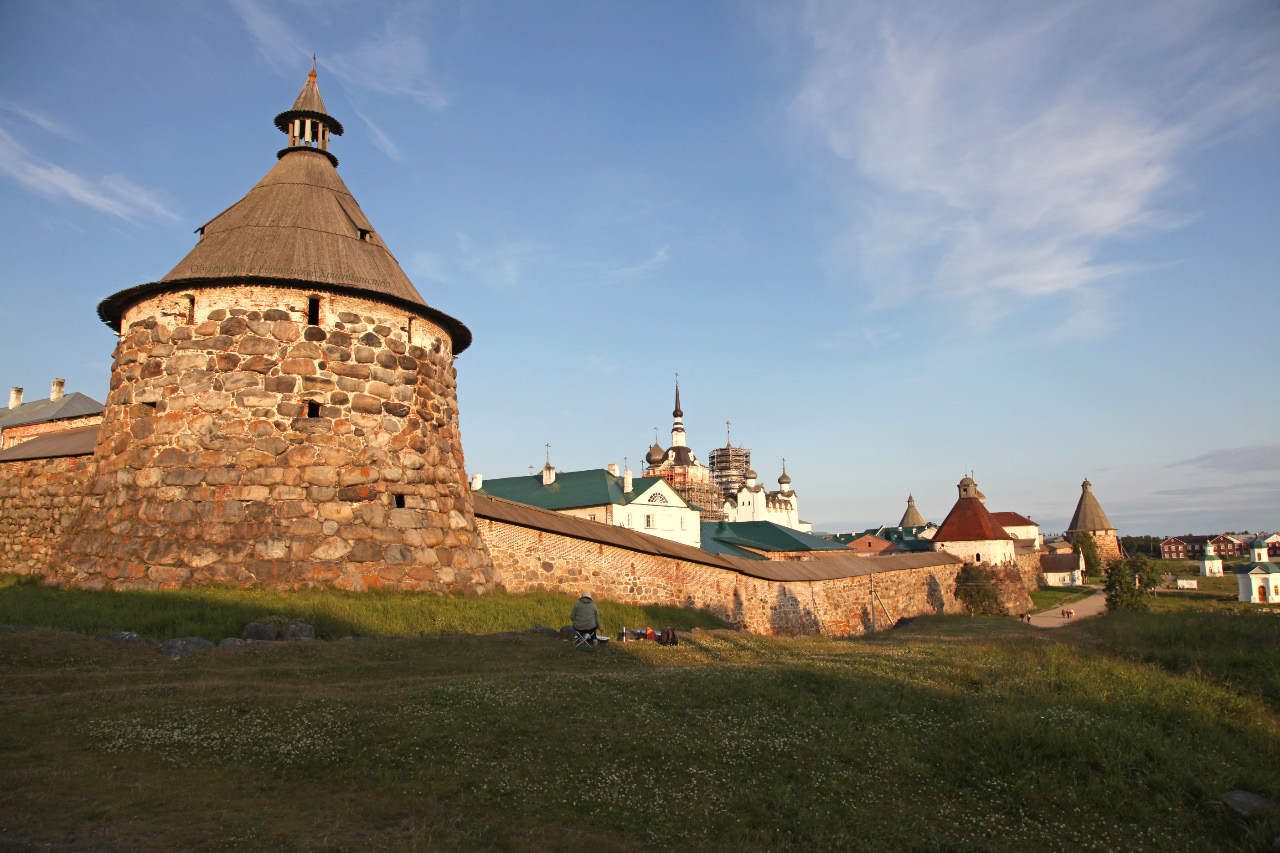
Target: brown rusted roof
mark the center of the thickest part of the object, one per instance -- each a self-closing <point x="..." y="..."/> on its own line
<point x="70" y="442"/>
<point x="1013" y="519"/>
<point x="1089" y="514"/>
<point x="299" y="226"/>
<point x="969" y="521"/>
<point x="1060" y="561"/>
<point x="832" y="565"/>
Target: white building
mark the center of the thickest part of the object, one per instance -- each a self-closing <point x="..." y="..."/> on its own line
<point x="1210" y="563"/>
<point x="644" y="504"/>
<point x="971" y="533"/>
<point x="754" y="503"/>
<point x="1260" y="579"/>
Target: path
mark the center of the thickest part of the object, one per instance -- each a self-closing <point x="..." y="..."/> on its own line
<point x="1090" y="606"/>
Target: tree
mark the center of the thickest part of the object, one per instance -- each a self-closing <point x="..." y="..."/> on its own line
<point x="976" y="588"/>
<point x="1128" y="580"/>
<point x="1148" y="573"/>
<point x="1083" y="544"/>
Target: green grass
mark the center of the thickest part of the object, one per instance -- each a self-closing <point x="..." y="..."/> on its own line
<point x="955" y="733"/>
<point x="217" y="612"/>
<point x="1056" y="596"/>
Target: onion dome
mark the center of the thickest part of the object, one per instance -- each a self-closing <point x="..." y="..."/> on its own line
<point x="784" y="480"/>
<point x="299" y="227"/>
<point x="655" y="455"/>
<point x="751" y="473"/>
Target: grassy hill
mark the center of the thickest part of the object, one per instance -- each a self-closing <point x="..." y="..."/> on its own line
<point x="952" y="733"/>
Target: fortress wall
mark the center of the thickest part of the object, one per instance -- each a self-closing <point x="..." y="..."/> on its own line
<point x="531" y="559"/>
<point x="243" y="445"/>
<point x="39" y="499"/>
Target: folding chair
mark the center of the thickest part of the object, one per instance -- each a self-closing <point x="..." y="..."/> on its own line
<point x="585" y="640"/>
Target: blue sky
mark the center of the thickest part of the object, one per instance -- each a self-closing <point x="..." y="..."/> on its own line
<point x="890" y="242"/>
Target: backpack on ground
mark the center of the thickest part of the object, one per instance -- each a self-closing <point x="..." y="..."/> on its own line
<point x="668" y="637"/>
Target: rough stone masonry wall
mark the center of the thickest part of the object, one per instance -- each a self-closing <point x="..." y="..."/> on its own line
<point x="39" y="500"/>
<point x="242" y="444"/>
<point x="536" y="560"/>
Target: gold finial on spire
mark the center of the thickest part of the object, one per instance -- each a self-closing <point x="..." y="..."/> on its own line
<point x="312" y="74"/>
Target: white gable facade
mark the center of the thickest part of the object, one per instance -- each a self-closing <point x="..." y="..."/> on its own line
<point x="660" y="511"/>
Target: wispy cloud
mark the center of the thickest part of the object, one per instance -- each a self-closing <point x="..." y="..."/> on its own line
<point x="859" y="338"/>
<point x="1240" y="490"/>
<point x="380" y="139"/>
<point x="393" y="62"/>
<point x="38" y="119"/>
<point x="113" y="194"/>
<point x="640" y="270"/>
<point x="999" y="151"/>
<point x="278" y="43"/>
<point x="1236" y="460"/>
<point x="499" y="266"/>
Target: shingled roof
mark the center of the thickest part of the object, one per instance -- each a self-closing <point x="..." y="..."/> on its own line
<point x="73" y="405"/>
<point x="79" y="441"/>
<point x="1089" y="514"/>
<point x="298" y="226"/>
<point x="912" y="517"/>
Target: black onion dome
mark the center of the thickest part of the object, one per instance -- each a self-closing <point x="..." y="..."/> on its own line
<point x="655" y="454"/>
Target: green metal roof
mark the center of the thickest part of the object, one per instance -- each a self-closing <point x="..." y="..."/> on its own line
<point x="570" y="490"/>
<point x="764" y="536"/>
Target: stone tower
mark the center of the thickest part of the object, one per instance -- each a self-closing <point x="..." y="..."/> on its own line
<point x="1089" y="518"/>
<point x="283" y="406"/>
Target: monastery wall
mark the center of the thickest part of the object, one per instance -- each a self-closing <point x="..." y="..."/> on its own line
<point x="39" y="500"/>
<point x="531" y="559"/>
<point x="243" y="443"/>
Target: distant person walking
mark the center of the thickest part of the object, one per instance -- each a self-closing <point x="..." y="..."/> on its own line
<point x="585" y="616"/>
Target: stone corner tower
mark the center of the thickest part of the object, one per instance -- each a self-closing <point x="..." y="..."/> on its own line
<point x="283" y="406"/>
<point x="1089" y="518"/>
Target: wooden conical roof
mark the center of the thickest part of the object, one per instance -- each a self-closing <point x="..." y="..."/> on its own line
<point x="1089" y="514"/>
<point x="912" y="517"/>
<point x="299" y="226"/>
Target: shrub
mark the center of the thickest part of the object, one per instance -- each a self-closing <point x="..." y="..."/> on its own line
<point x="976" y="588"/>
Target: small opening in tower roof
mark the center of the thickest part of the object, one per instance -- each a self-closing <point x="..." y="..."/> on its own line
<point x="366" y="235"/>
<point x="313" y="311"/>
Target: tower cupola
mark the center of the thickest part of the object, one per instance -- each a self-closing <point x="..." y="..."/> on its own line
<point x="307" y="124"/>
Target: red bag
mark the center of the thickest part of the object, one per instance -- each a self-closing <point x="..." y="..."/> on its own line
<point x="649" y="634"/>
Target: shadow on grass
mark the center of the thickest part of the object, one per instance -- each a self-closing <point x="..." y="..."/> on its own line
<point x="215" y="612"/>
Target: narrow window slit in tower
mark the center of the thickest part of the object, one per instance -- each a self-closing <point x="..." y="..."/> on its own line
<point x="399" y="501"/>
<point x="313" y="311"/>
<point x="191" y="310"/>
<point x="313" y="409"/>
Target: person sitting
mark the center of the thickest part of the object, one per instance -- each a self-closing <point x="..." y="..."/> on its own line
<point x="585" y="617"/>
